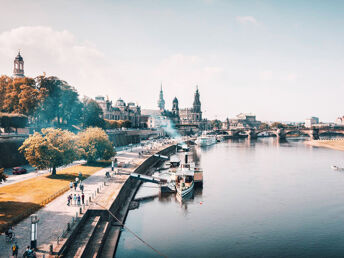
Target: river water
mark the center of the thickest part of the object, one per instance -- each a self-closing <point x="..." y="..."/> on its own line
<point x="260" y="198"/>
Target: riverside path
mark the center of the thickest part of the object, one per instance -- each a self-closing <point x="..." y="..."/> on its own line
<point x="53" y="218"/>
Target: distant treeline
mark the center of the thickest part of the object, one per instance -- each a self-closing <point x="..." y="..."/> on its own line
<point x="48" y="102"/>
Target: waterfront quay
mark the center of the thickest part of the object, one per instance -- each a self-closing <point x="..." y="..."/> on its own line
<point x="67" y="230"/>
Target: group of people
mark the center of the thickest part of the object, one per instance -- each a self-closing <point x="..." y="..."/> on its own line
<point x="29" y="252"/>
<point x="76" y="199"/>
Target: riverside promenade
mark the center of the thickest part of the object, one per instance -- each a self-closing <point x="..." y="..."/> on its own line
<point x="55" y="216"/>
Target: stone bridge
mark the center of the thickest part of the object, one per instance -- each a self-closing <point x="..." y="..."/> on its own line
<point x="281" y="133"/>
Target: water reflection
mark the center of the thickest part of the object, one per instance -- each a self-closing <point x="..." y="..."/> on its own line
<point x="260" y="198"/>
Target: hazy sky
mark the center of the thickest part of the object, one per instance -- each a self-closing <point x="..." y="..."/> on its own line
<point x="282" y="60"/>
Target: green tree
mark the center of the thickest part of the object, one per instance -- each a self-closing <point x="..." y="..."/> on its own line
<point x="50" y="149"/>
<point x="277" y="125"/>
<point x="3" y="176"/>
<point x="61" y="103"/>
<point x="95" y="144"/>
<point x="264" y="126"/>
<point x="126" y="124"/>
<point x="216" y="124"/>
<point x="92" y="114"/>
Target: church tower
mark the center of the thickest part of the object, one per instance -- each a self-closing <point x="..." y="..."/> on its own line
<point x="197" y="102"/>
<point x="18" y="70"/>
<point x="161" y="101"/>
<point x="175" y="107"/>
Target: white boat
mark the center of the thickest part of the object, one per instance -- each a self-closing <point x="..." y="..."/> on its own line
<point x="337" y="168"/>
<point x="184" y="183"/>
<point x="206" y="140"/>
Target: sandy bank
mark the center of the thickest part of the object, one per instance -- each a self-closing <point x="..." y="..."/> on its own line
<point x="336" y="144"/>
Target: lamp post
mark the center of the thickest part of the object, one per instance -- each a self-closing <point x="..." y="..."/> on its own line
<point x="34" y="222"/>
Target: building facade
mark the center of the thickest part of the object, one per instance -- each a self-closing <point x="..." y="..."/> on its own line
<point x="184" y="118"/>
<point x="242" y="120"/>
<point x="120" y="111"/>
<point x="309" y="122"/>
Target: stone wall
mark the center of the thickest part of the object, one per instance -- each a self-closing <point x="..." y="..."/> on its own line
<point x="9" y="154"/>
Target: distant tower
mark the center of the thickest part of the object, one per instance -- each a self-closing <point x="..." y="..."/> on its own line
<point x="161" y="101"/>
<point x="18" y="70"/>
<point x="197" y="102"/>
<point x="175" y="107"/>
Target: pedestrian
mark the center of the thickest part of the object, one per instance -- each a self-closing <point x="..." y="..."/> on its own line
<point x="75" y="185"/>
<point x="27" y="252"/>
<point x="68" y="200"/>
<point x="32" y="253"/>
<point x="71" y="185"/>
<point x="74" y="199"/>
<point x="82" y="188"/>
<point x="78" y="199"/>
<point x="80" y="176"/>
<point x="15" y="250"/>
<point x="83" y="198"/>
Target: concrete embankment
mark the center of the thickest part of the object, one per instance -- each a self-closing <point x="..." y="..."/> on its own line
<point x="336" y="144"/>
<point x="97" y="233"/>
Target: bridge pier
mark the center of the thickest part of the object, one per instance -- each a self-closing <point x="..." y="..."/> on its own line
<point x="315" y="134"/>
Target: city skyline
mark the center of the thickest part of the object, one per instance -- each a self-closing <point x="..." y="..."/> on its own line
<point x="271" y="59"/>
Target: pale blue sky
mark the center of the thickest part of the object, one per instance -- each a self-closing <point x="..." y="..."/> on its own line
<point x="282" y="60"/>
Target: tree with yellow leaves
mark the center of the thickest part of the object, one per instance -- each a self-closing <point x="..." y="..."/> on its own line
<point x="95" y="144"/>
<point x="50" y="149"/>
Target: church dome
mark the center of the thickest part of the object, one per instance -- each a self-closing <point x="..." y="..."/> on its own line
<point x="19" y="57"/>
<point x="120" y="103"/>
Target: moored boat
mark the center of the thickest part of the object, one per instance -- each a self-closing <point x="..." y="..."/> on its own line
<point x="206" y="140"/>
<point x="184" y="183"/>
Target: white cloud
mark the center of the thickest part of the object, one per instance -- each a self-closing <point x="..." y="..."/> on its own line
<point x="56" y="53"/>
<point x="246" y="20"/>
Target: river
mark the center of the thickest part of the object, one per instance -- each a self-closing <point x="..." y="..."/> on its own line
<point x="260" y="198"/>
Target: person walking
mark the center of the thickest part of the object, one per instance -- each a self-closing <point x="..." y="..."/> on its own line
<point x="78" y="200"/>
<point x="74" y="199"/>
<point x="71" y="185"/>
<point x="75" y="185"/>
<point x="83" y="198"/>
<point x="68" y="200"/>
<point x="15" y="250"/>
<point x="27" y="252"/>
<point x="81" y="187"/>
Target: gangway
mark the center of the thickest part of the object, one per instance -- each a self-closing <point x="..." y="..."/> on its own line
<point x="161" y="156"/>
<point x="145" y="178"/>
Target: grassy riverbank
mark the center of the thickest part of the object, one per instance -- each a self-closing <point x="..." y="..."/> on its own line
<point x="21" y="199"/>
<point x="336" y="144"/>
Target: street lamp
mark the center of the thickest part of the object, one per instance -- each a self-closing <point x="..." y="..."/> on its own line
<point x="34" y="222"/>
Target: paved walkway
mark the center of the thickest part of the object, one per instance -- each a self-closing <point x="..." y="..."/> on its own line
<point x="53" y="218"/>
<point x="12" y="179"/>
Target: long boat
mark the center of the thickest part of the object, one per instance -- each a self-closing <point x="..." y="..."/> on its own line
<point x="206" y="140"/>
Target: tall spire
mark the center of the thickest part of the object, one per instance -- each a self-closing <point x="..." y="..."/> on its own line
<point x="161" y="101"/>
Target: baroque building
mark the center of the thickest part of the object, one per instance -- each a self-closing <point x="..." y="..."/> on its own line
<point x="120" y="111"/>
<point x="187" y="120"/>
<point x="18" y="69"/>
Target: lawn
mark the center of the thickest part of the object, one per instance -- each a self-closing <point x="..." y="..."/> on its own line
<point x="23" y="198"/>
